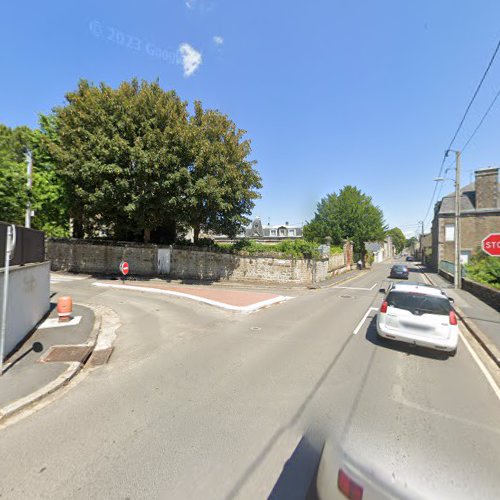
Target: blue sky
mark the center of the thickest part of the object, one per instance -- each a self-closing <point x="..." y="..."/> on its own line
<point x="331" y="92"/>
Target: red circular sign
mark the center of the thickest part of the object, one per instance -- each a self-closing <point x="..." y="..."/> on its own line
<point x="491" y="244"/>
<point x="124" y="268"/>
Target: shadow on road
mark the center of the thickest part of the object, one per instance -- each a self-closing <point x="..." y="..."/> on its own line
<point x="298" y="473"/>
<point x="394" y="345"/>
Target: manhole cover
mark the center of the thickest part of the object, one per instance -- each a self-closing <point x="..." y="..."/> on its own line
<point x="255" y="328"/>
<point x="65" y="353"/>
<point x="346" y="297"/>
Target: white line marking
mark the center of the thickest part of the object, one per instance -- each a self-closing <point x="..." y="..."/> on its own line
<point x="479" y="363"/>
<point x="475" y="357"/>
<point x="54" y="323"/>
<point x="360" y="324"/>
<point x="222" y="305"/>
<point x="356" y="288"/>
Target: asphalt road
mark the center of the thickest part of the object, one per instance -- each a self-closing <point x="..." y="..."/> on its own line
<point x="202" y="403"/>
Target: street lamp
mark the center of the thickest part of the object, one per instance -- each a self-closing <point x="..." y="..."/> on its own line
<point x="458" y="267"/>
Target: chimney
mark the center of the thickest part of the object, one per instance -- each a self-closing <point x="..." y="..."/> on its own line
<point x="487" y="188"/>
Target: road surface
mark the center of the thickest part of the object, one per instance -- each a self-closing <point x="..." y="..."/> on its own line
<point x="198" y="402"/>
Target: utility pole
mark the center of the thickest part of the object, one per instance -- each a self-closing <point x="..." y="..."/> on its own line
<point x="29" y="171"/>
<point x="458" y="265"/>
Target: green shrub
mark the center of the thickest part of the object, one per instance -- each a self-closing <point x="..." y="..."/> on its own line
<point x="484" y="269"/>
<point x="298" y="249"/>
<point x="336" y="250"/>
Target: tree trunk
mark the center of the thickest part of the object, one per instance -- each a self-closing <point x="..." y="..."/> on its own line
<point x="196" y="234"/>
<point x="147" y="235"/>
<point x="77" y="228"/>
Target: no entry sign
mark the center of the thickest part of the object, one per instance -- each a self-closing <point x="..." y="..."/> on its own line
<point x="124" y="268"/>
<point x="491" y="244"/>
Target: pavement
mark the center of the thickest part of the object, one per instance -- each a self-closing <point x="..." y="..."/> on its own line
<point x="482" y="320"/>
<point x="199" y="402"/>
<point x="44" y="363"/>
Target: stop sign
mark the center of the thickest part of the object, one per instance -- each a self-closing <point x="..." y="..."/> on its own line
<point x="491" y="244"/>
<point x="124" y="268"/>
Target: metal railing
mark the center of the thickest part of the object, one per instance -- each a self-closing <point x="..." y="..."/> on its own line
<point x="449" y="267"/>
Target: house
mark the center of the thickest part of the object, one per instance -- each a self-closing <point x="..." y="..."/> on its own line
<point x="381" y="250"/>
<point x="425" y="251"/>
<point x="257" y="231"/>
<point x="479" y="216"/>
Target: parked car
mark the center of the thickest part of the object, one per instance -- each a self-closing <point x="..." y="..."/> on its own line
<point x="399" y="271"/>
<point x="419" y="315"/>
<point x="410" y="259"/>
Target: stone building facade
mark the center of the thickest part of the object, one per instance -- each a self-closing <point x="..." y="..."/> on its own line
<point x="479" y="216"/>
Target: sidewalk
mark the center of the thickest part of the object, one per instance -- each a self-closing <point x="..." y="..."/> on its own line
<point x="479" y="317"/>
<point x="38" y="368"/>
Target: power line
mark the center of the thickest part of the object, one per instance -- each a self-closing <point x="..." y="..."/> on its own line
<point x="467" y="109"/>
<point x="475" y="94"/>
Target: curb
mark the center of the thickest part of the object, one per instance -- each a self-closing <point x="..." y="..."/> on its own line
<point x="348" y="278"/>
<point x="73" y="369"/>
<point x="475" y="331"/>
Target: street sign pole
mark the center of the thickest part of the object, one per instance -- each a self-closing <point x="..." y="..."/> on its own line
<point x="10" y="244"/>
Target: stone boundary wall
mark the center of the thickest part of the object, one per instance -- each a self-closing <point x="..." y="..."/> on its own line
<point x="487" y="294"/>
<point x="103" y="257"/>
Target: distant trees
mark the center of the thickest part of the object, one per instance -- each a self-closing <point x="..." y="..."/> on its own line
<point x="131" y="163"/>
<point x="398" y="238"/>
<point x="350" y="214"/>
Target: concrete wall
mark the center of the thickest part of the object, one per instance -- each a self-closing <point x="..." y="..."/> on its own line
<point x="28" y="300"/>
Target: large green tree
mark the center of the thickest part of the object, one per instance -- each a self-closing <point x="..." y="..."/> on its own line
<point x="398" y="238"/>
<point x="222" y="181"/>
<point x="123" y="154"/>
<point x="350" y="214"/>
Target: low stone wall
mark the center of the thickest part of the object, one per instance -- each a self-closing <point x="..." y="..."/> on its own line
<point x="487" y="294"/>
<point x="28" y="301"/>
<point x="103" y="257"/>
<point x="82" y="256"/>
<point x="206" y="265"/>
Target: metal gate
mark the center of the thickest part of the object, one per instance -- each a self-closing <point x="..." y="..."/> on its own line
<point x="164" y="255"/>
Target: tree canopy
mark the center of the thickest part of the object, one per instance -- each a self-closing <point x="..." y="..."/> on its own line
<point x="129" y="163"/>
<point x="398" y="238"/>
<point x="350" y="214"/>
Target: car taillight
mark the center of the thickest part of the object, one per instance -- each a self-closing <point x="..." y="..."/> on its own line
<point x="348" y="487"/>
<point x="383" y="307"/>
<point x="453" y="318"/>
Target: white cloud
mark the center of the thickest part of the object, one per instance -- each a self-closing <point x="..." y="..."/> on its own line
<point x="218" y="40"/>
<point x="191" y="58"/>
<point x="190" y="4"/>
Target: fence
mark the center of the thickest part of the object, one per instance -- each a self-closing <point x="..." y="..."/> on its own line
<point x="30" y="245"/>
<point x="449" y="267"/>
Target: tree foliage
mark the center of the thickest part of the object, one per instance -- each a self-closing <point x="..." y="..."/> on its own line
<point x="134" y="162"/>
<point x="222" y="183"/>
<point x="398" y="238"/>
<point x="347" y="215"/>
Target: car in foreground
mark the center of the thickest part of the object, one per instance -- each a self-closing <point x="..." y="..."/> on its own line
<point x="419" y="315"/>
<point x="399" y="271"/>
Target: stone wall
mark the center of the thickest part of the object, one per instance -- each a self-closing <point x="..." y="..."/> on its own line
<point x="487" y="294"/>
<point x="101" y="257"/>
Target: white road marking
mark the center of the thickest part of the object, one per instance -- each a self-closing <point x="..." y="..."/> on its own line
<point x="356" y="288"/>
<point x="360" y="324"/>
<point x="61" y="278"/>
<point x="475" y="357"/>
<point x="54" y="323"/>
<point x="244" y="309"/>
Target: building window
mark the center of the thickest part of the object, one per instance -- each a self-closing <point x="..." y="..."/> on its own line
<point x="449" y="232"/>
<point x="282" y="232"/>
<point x="273" y="232"/>
<point x="291" y="232"/>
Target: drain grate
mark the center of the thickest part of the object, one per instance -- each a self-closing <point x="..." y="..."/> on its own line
<point x="66" y="353"/>
<point x="255" y="328"/>
<point x="346" y="296"/>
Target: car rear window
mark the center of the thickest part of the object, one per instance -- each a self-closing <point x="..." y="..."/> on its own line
<point x="399" y="268"/>
<point x="418" y="303"/>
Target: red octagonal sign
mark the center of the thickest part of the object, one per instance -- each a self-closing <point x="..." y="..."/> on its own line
<point x="491" y="244"/>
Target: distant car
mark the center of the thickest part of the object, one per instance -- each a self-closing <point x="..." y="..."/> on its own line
<point x="399" y="271"/>
<point x="410" y="259"/>
<point x="419" y="315"/>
